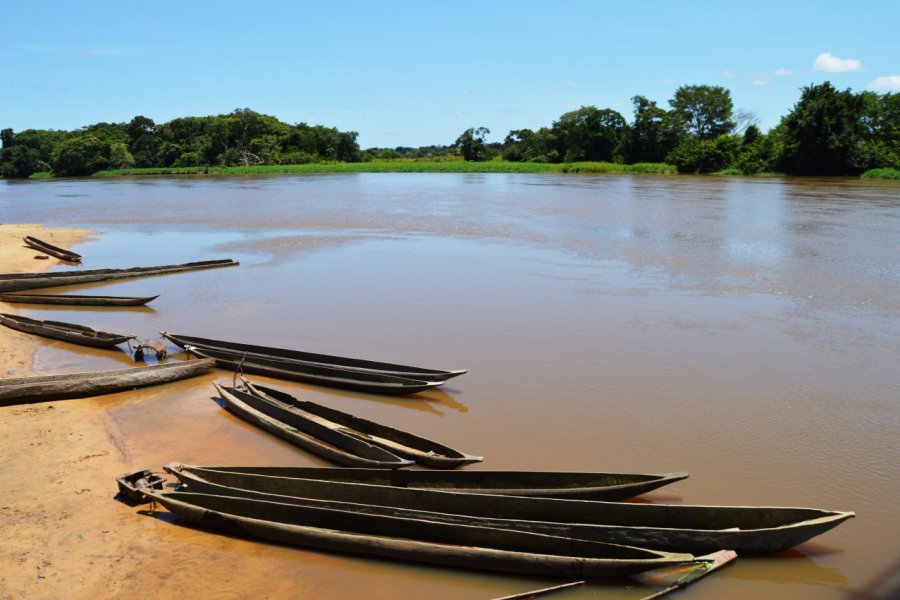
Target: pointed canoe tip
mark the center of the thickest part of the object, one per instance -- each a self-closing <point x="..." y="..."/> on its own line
<point x="677" y="476"/>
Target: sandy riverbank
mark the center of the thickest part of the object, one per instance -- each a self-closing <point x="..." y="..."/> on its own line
<point x="51" y="455"/>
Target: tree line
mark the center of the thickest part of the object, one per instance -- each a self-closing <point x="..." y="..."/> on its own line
<point x="827" y="132"/>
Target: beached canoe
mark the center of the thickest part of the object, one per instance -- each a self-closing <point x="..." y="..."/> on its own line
<point x="442" y="544"/>
<point x="316" y="374"/>
<point x="680" y="528"/>
<point x="22" y="390"/>
<point x="52" y="250"/>
<point x="76" y="299"/>
<point x="338" y="447"/>
<point x="351" y="364"/>
<point x="407" y="445"/>
<point x="543" y="484"/>
<point x="10" y="282"/>
<point x="67" y="332"/>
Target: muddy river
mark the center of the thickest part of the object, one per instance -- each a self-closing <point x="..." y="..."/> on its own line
<point x="744" y="330"/>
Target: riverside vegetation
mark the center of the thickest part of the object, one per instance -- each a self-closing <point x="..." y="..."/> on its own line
<point x="827" y="132"/>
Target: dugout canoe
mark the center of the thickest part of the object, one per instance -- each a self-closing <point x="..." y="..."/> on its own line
<point x="52" y="250"/>
<point x="421" y="450"/>
<point x="23" y="390"/>
<point x="10" y="282"/>
<point x="66" y="332"/>
<point x="316" y="374"/>
<point x="683" y="528"/>
<point x="609" y="487"/>
<point x="76" y="299"/>
<point x="442" y="544"/>
<point x="350" y="364"/>
<point x="335" y="446"/>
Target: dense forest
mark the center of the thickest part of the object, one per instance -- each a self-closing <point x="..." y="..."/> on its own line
<point x="827" y="132"/>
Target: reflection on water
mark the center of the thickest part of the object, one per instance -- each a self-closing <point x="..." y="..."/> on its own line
<point x="744" y="330"/>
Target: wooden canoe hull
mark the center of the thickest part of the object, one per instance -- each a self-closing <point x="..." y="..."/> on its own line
<point x="66" y="332"/>
<point x="426" y="542"/>
<point x="543" y="484"/>
<point x="331" y="445"/>
<point x="22" y="390"/>
<point x="407" y="445"/>
<point x="76" y="300"/>
<point x="52" y="250"/>
<point x="313" y="359"/>
<point x="318" y="375"/>
<point x="678" y="528"/>
<point x="11" y="282"/>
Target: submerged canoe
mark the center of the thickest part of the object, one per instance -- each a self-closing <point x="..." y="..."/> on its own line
<point x="76" y="299"/>
<point x="443" y="544"/>
<point x="22" y="390"/>
<point x="67" y="332"/>
<point x="10" y="282"/>
<point x="407" y="445"/>
<point x="352" y="364"/>
<point x="52" y="250"/>
<point x="543" y="484"/>
<point x="340" y="448"/>
<point x="316" y="374"/>
<point x="684" y="528"/>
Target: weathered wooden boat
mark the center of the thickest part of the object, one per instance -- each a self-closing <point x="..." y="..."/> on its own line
<point x="22" y="390"/>
<point x="131" y="485"/>
<point x="67" y="332"/>
<point x="338" y="447"/>
<point x="443" y="544"/>
<point x="407" y="445"/>
<point x="76" y="299"/>
<point x="316" y="374"/>
<point x="685" y="528"/>
<point x="10" y="282"/>
<point x="350" y="364"/>
<point x="543" y="484"/>
<point x="52" y="250"/>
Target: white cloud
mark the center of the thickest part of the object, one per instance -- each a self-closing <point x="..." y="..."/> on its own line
<point x="567" y="82"/>
<point x="833" y="64"/>
<point x="783" y="72"/>
<point x="888" y="82"/>
<point x="728" y="73"/>
<point x="760" y="81"/>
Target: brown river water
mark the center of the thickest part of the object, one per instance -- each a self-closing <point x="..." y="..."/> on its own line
<point x="743" y="330"/>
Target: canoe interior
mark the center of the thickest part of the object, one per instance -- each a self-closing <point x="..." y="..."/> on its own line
<point x="52" y="250"/>
<point x="69" y="332"/>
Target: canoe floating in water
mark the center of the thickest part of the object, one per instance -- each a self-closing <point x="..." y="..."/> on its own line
<point x="11" y="282"/>
<point x="443" y="544"/>
<point x="22" y="390"/>
<point x="52" y="250"/>
<point x="684" y="528"/>
<point x="76" y="300"/>
<point x="545" y="484"/>
<point x="67" y="332"/>
<point x="338" y="447"/>
<point x="350" y="364"/>
<point x="407" y="445"/>
<point x="316" y="374"/>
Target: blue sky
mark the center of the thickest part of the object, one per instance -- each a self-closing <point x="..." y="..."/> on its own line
<point x="421" y="72"/>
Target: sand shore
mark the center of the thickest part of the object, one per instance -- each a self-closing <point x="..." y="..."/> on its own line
<point x="49" y="463"/>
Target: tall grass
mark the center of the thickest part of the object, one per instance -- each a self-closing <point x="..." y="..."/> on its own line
<point x="886" y="173"/>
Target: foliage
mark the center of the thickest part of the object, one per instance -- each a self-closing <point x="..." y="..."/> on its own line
<point x="591" y="134"/>
<point x="80" y="154"/>
<point x="704" y="109"/>
<point x="886" y="173"/>
<point x="696" y="155"/>
<point x="654" y="133"/>
<point x="471" y="144"/>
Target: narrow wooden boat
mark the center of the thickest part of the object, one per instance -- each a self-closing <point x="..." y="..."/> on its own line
<point x="52" y="250"/>
<point x="131" y="485"/>
<point x="442" y="544"/>
<point x="67" y="332"/>
<point x="543" y="484"/>
<point x="338" y="447"/>
<point x="22" y="390"/>
<point x="76" y="300"/>
<point x="352" y="364"/>
<point x="413" y="447"/>
<point x="685" y="528"/>
<point x="10" y="282"/>
<point x="319" y="375"/>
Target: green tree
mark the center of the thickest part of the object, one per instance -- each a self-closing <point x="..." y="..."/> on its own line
<point x="120" y="157"/>
<point x="591" y="134"/>
<point x="653" y="134"/>
<point x="20" y="162"/>
<point x="471" y="144"/>
<point x="695" y="155"/>
<point x="705" y="110"/>
<point x="80" y="154"/>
